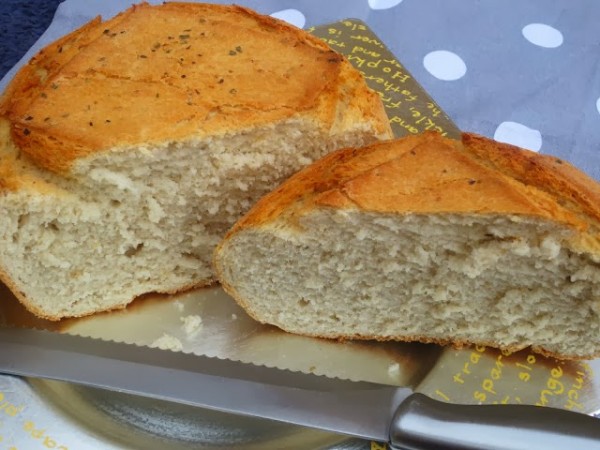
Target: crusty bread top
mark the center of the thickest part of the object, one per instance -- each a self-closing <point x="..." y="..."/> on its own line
<point x="177" y="70"/>
<point x="429" y="174"/>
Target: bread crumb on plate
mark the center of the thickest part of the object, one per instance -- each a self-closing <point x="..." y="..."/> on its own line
<point x="167" y="342"/>
<point x="191" y="324"/>
<point x="394" y="370"/>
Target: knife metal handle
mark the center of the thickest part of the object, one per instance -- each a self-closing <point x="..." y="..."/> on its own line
<point x="421" y="423"/>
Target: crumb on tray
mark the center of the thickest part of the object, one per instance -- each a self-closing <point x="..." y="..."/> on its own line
<point x="191" y="324"/>
<point x="394" y="370"/>
<point x="167" y="342"/>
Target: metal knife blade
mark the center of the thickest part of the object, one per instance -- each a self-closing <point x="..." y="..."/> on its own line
<point x="353" y="408"/>
<point x="367" y="410"/>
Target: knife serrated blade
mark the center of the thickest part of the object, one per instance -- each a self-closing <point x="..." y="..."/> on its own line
<point x="366" y="410"/>
<point x="227" y="332"/>
<point x="352" y="408"/>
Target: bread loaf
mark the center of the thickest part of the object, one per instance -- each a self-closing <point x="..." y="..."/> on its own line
<point x="130" y="146"/>
<point x="426" y="239"/>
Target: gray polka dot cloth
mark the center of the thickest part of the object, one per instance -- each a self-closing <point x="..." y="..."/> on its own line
<point x="527" y="73"/>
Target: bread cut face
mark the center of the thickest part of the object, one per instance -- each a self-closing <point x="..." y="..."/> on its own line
<point x="129" y="147"/>
<point x="426" y="239"/>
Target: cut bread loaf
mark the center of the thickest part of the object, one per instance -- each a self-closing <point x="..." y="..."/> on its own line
<point x="426" y="239"/>
<point x="129" y="147"/>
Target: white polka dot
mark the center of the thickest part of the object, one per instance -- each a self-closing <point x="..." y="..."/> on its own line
<point x="445" y="65"/>
<point x="518" y="134"/>
<point x="383" y="4"/>
<point x="543" y="35"/>
<point x="292" y="16"/>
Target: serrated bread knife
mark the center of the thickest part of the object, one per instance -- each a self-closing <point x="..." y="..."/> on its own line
<point x="404" y="419"/>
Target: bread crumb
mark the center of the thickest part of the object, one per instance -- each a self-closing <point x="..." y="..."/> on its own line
<point x="233" y="316"/>
<point x="178" y="305"/>
<point x="394" y="370"/>
<point x="191" y="324"/>
<point x="167" y="342"/>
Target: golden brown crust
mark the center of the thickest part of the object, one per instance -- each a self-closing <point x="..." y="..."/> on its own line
<point x="430" y="174"/>
<point x="564" y="182"/>
<point x="16" y="171"/>
<point x="155" y="74"/>
<point x="25" y="86"/>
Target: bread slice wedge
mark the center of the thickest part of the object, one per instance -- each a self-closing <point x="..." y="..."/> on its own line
<point x="130" y="146"/>
<point x="426" y="239"/>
